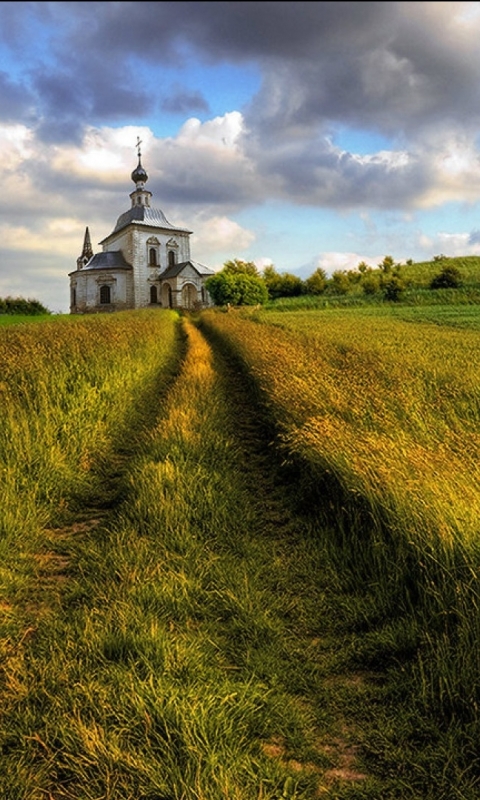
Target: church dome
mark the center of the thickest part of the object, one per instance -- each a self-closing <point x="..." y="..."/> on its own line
<point x="139" y="175"/>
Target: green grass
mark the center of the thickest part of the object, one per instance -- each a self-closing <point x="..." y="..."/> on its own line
<point x="21" y="319"/>
<point x="191" y="618"/>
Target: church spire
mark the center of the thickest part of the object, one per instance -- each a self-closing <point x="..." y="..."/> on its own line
<point x="87" y="251"/>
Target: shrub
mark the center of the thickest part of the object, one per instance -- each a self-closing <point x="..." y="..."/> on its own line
<point x="370" y="284"/>
<point x="393" y="289"/>
<point x="19" y="305"/>
<point x="449" y="278"/>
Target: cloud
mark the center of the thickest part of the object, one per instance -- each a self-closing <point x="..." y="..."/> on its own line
<point x="182" y="101"/>
<point x="219" y="235"/>
<point x="77" y="88"/>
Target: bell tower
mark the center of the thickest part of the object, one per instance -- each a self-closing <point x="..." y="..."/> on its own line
<point x="141" y="196"/>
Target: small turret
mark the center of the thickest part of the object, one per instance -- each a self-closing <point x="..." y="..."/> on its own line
<point x="87" y="251"/>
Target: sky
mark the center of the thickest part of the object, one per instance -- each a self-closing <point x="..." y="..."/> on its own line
<point x="298" y="134"/>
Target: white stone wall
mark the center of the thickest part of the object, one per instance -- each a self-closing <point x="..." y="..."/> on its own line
<point x="88" y="290"/>
<point x="133" y="244"/>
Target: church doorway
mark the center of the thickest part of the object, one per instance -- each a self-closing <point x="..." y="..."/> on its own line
<point x="189" y="296"/>
<point x="166" y="296"/>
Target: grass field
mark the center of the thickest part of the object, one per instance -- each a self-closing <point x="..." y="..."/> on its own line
<point x="240" y="556"/>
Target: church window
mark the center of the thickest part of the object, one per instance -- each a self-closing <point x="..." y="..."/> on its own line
<point x="171" y="258"/>
<point x="105" y="295"/>
<point x="153" y="294"/>
<point x="152" y="257"/>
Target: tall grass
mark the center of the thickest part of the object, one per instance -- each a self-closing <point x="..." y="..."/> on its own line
<point x="153" y="679"/>
<point x="173" y="625"/>
<point x="69" y="391"/>
<point x="381" y="417"/>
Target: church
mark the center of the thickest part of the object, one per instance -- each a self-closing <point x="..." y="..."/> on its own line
<point x="145" y="262"/>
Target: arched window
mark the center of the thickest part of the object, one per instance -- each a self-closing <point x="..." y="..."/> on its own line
<point x="152" y="257"/>
<point x="105" y="295"/>
<point x="171" y="258"/>
<point x="153" y="294"/>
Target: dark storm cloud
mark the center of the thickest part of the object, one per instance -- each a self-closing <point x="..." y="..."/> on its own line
<point x="184" y="102"/>
<point x="391" y="65"/>
<point x="409" y="71"/>
<point x="16" y="101"/>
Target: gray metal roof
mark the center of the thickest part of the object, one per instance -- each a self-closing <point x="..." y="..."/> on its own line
<point x="110" y="260"/>
<point x="176" y="269"/>
<point x="144" y="215"/>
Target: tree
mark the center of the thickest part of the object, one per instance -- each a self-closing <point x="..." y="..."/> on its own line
<point x="236" y="289"/>
<point x="370" y="284"/>
<point x="272" y="281"/>
<point x="282" y="284"/>
<point x="387" y="264"/>
<point x="393" y="289"/>
<point x="236" y="266"/>
<point x="340" y="282"/>
<point x="317" y="282"/>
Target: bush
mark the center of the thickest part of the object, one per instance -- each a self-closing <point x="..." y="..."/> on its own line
<point x="393" y="289"/>
<point x="371" y="284"/>
<point x="18" y="305"/>
<point x="448" y="278"/>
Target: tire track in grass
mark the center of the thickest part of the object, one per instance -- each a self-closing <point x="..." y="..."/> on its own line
<point x="291" y="579"/>
<point x="271" y="570"/>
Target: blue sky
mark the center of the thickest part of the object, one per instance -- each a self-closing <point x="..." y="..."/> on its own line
<point x="299" y="134"/>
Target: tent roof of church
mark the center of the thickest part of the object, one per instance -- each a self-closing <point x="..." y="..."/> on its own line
<point x="111" y="260"/>
<point x="144" y="215"/>
<point x="176" y="269"/>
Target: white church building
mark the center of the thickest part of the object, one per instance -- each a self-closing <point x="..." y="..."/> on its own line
<point x="145" y="262"/>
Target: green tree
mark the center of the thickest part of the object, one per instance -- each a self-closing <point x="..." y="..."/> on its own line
<point x="282" y="284"/>
<point x="272" y="281"/>
<point x="237" y="266"/>
<point x="371" y="284"/>
<point x="317" y="282"/>
<point x="339" y="282"/>
<point x="291" y="285"/>
<point x="236" y="289"/>
<point x="387" y="264"/>
<point x="392" y="289"/>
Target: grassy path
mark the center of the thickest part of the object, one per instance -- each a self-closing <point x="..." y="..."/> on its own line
<point x="190" y="643"/>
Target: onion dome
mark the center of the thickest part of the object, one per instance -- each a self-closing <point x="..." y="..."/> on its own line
<point x="139" y="175"/>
